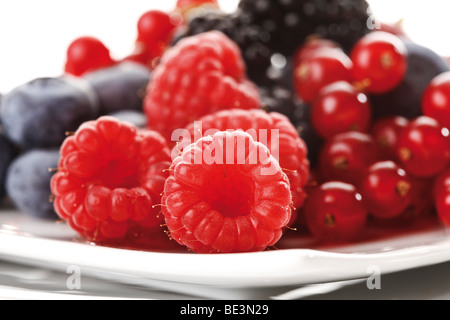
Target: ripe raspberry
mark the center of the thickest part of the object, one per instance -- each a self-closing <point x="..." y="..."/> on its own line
<point x="109" y="180"/>
<point x="285" y="144"/>
<point x="216" y="203"/>
<point x="201" y="74"/>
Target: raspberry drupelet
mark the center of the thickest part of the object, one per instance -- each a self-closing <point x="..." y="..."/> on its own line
<point x="199" y="75"/>
<point x="273" y="130"/>
<point x="214" y="203"/>
<point x="109" y="181"/>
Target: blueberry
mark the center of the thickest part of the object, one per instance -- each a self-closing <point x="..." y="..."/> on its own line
<point x="138" y="118"/>
<point x="121" y="86"/>
<point x="38" y="113"/>
<point x="1" y="99"/>
<point x="28" y="182"/>
<point x="7" y="153"/>
<point x="405" y="100"/>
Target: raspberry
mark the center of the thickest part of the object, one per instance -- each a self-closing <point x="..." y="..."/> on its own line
<point x="200" y="75"/>
<point x="216" y="203"/>
<point x="109" y="180"/>
<point x="288" y="148"/>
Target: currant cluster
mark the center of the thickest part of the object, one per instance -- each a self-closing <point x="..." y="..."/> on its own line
<point x="371" y="167"/>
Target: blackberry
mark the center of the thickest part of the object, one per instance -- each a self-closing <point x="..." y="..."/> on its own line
<point x="252" y="39"/>
<point x="290" y="22"/>
<point x="263" y="28"/>
<point x="277" y="98"/>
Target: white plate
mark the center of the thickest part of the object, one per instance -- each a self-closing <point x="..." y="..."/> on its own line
<point x="51" y="245"/>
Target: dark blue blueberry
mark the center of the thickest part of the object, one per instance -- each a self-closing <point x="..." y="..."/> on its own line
<point x="121" y="86"/>
<point x="7" y="153"/>
<point x="38" y="113"/>
<point x="28" y="182"/>
<point x="137" y="118"/>
<point x="405" y="100"/>
<point x="1" y="99"/>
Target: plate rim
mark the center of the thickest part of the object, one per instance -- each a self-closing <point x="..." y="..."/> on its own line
<point x="242" y="270"/>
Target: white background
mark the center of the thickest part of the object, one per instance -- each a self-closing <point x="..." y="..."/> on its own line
<point x="34" y="34"/>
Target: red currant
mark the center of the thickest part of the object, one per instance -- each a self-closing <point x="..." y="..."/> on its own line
<point x="386" y="190"/>
<point x="380" y="60"/>
<point x="320" y="69"/>
<point x="422" y="201"/>
<point x="155" y="29"/>
<point x="155" y="26"/>
<point x="442" y="202"/>
<point x="334" y="212"/>
<point x="347" y="156"/>
<point x="311" y="46"/>
<point x="87" y="54"/>
<point x="441" y="182"/>
<point x="340" y="108"/>
<point x="441" y="196"/>
<point x="423" y="147"/>
<point x="436" y="99"/>
<point x="385" y="131"/>
<point x="142" y="55"/>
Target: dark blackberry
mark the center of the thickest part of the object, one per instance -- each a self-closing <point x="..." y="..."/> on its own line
<point x="252" y="39"/>
<point x="277" y="98"/>
<point x="290" y="22"/>
<point x="263" y="28"/>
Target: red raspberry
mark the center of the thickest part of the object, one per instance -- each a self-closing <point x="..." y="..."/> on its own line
<point x="110" y="178"/>
<point x="200" y="75"/>
<point x="216" y="203"/>
<point x="287" y="147"/>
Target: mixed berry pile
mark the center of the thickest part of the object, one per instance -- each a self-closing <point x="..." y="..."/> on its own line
<point x="222" y="132"/>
